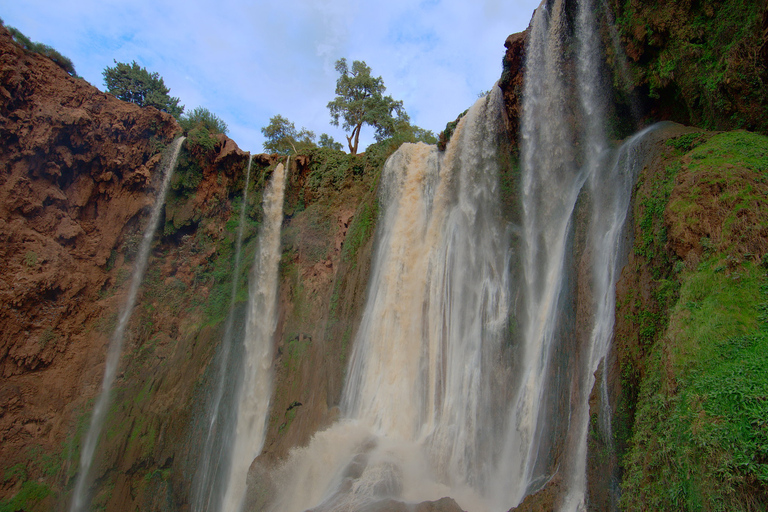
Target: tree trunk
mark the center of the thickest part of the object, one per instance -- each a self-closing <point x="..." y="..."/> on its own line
<point x="356" y="136"/>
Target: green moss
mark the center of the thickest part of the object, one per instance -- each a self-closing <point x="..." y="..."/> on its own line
<point x="699" y="440"/>
<point x="701" y="434"/>
<point x="360" y="231"/>
<point x="15" y="472"/>
<point x="685" y="142"/>
<point x="650" y="215"/>
<point x="725" y="184"/>
<point x="30" y="498"/>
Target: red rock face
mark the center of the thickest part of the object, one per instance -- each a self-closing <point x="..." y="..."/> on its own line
<point x="511" y="82"/>
<point x="77" y="170"/>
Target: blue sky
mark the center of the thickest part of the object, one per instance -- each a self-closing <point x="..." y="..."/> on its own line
<point x="247" y="61"/>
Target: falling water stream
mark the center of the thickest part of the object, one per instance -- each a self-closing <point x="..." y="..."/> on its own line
<point x="419" y="402"/>
<point x="209" y="483"/>
<point x="252" y="397"/>
<point x="80" y="497"/>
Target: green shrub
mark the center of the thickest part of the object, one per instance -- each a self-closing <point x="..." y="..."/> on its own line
<point x="202" y="118"/>
<point x="201" y="141"/>
<point x="43" y="49"/>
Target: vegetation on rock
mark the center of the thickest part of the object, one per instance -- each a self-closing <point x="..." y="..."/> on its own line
<point x="282" y="138"/>
<point x="202" y="118"/>
<point x="702" y="63"/>
<point x="43" y="49"/>
<point x="326" y="141"/>
<point x="695" y="374"/>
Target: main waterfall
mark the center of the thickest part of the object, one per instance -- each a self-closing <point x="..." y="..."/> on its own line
<point x="422" y="396"/>
<point x="464" y="381"/>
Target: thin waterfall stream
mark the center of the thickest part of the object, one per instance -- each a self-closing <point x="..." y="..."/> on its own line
<point x="209" y="482"/>
<point x="252" y="398"/>
<point x="80" y="497"/>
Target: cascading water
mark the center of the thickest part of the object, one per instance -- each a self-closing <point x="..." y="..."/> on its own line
<point x="80" y="497"/>
<point x="557" y="162"/>
<point x="611" y="191"/>
<point x="420" y="399"/>
<point x="254" y="391"/>
<point x="433" y="406"/>
<point x="551" y="185"/>
<point x="209" y="481"/>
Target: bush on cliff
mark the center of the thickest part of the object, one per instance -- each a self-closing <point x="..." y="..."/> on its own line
<point x="200" y="126"/>
<point x="43" y="49"/>
<point x="201" y="117"/>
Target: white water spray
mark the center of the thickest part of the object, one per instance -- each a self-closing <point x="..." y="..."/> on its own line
<point x="253" y="395"/>
<point x="80" y="496"/>
<point x="611" y="192"/>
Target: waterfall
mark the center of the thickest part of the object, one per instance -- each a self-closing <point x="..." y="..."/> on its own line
<point x="254" y="391"/>
<point x="611" y="191"/>
<point x="461" y="382"/>
<point x="421" y="399"/>
<point x="209" y="484"/>
<point x="80" y="494"/>
<point x="561" y="162"/>
<point x="551" y="185"/>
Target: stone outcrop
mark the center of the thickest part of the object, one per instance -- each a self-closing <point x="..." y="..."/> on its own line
<point x="511" y="82"/>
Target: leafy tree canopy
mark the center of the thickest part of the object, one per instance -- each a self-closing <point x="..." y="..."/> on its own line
<point x="360" y="100"/>
<point x="403" y="131"/>
<point x="201" y="117"/>
<point x="131" y="82"/>
<point x="283" y="138"/>
<point x="43" y="49"/>
<point x="326" y="141"/>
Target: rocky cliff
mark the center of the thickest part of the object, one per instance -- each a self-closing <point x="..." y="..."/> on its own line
<point x="76" y="177"/>
<point x="78" y="173"/>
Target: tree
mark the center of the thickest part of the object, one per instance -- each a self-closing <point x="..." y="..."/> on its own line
<point x="203" y="118"/>
<point x="404" y="131"/>
<point x="326" y="141"/>
<point x="360" y="100"/>
<point x="131" y="82"/>
<point x="283" y="139"/>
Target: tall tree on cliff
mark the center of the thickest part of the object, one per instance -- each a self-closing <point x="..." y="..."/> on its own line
<point x="360" y="100"/>
<point x="131" y="82"/>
